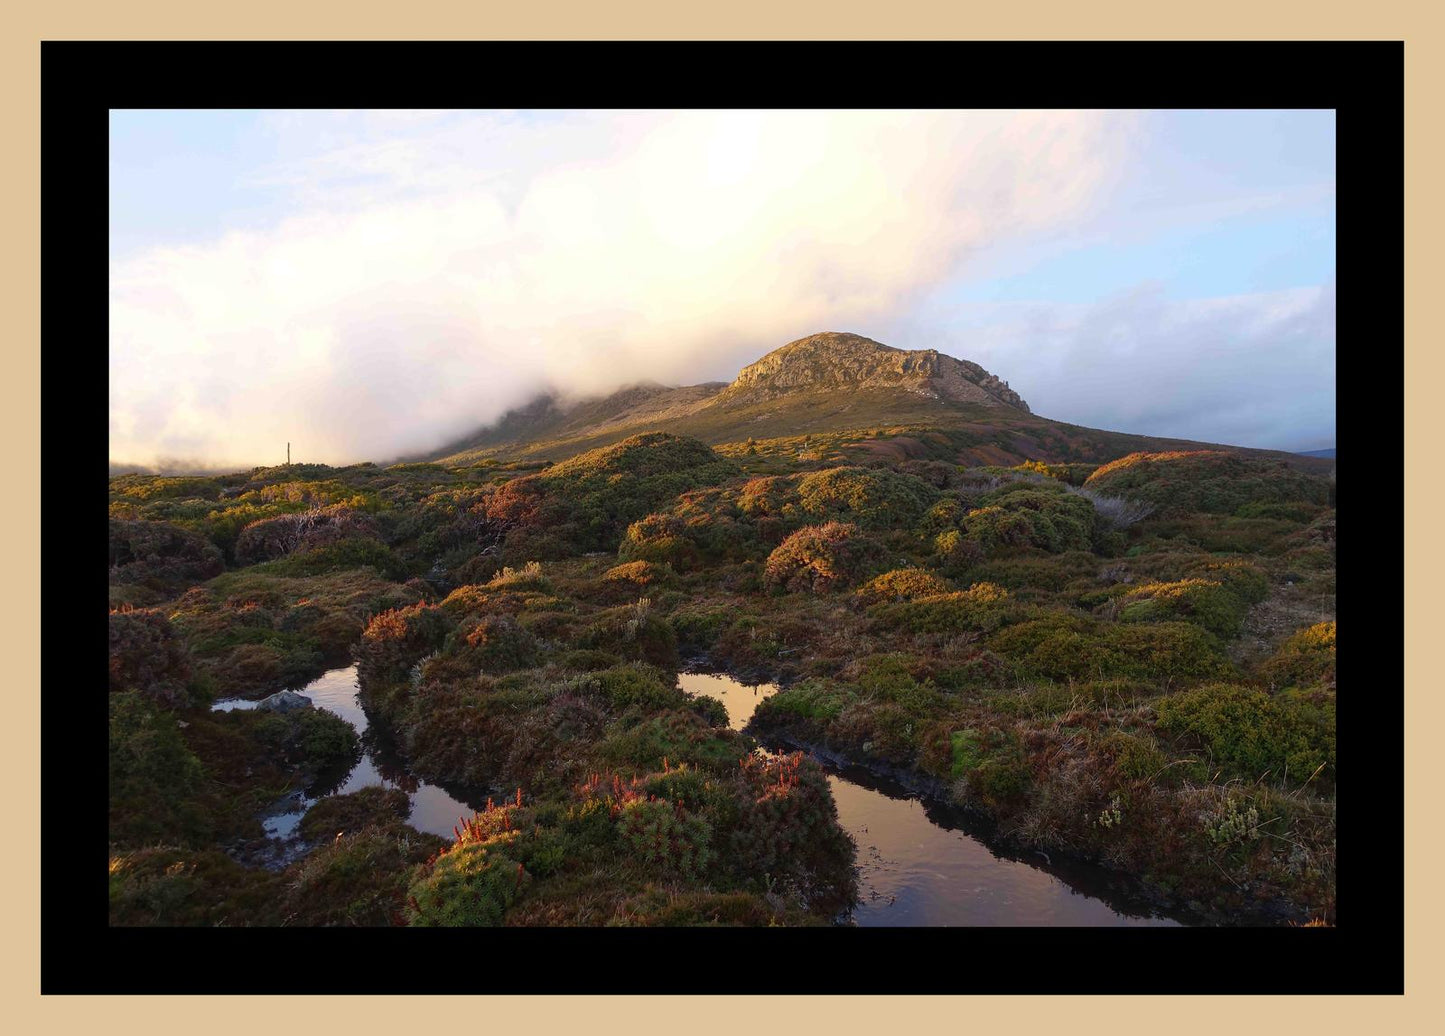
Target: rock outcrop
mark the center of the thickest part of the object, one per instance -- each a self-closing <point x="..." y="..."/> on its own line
<point x="833" y="361"/>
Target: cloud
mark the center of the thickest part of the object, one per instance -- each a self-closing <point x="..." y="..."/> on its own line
<point x="441" y="269"/>
<point x="1248" y="370"/>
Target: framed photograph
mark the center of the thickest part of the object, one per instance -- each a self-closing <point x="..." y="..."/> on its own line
<point x="673" y="505"/>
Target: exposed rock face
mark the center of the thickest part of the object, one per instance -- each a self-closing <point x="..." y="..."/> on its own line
<point x="284" y="701"/>
<point x="834" y="361"/>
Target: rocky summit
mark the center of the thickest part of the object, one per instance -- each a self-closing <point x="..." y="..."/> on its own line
<point x="836" y="360"/>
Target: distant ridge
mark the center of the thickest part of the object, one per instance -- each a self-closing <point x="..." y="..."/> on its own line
<point x="866" y="396"/>
<point x="1330" y="453"/>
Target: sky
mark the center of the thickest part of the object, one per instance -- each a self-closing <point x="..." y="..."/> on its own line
<point x="367" y="284"/>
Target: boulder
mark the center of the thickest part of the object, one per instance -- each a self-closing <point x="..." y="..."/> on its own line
<point x="284" y="701"/>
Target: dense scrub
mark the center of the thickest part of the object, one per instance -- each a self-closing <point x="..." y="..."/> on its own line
<point x="1132" y="663"/>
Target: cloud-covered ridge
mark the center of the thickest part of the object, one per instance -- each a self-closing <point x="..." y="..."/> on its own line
<point x="432" y="281"/>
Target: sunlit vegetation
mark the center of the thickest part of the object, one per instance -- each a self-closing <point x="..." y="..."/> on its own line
<point x="1074" y="647"/>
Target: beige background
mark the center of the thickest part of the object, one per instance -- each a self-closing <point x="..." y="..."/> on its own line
<point x="740" y="19"/>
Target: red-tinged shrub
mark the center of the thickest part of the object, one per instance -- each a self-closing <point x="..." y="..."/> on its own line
<point x="396" y="640"/>
<point x="787" y="827"/>
<point x="147" y="656"/>
<point x="161" y="556"/>
<point x="496" y="643"/>
<point x="822" y="558"/>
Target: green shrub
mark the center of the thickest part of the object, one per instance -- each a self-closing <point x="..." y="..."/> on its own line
<point x="661" y="835"/>
<point x="621" y="687"/>
<point x="868" y="498"/>
<point x="314" y="739"/>
<point x="1306" y="659"/>
<point x="147" y="656"/>
<point x="819" y="700"/>
<point x="359" y="878"/>
<point x="1210" y="604"/>
<point x="1020" y="516"/>
<point x="640" y="574"/>
<point x="161" y="556"/>
<point x="366" y="807"/>
<point x="471" y="885"/>
<point x="154" y="776"/>
<point x="635" y="632"/>
<point x="981" y="607"/>
<point x="1066" y="647"/>
<point x="1212" y="481"/>
<point x="173" y="887"/>
<point x="668" y="738"/>
<point x="787" y="828"/>
<point x="1133" y="756"/>
<point x="1249" y="733"/>
<point x="662" y="540"/>
<point x="494" y="644"/>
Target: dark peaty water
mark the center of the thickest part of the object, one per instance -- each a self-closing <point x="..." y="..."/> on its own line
<point x="917" y="864"/>
<point x="433" y="808"/>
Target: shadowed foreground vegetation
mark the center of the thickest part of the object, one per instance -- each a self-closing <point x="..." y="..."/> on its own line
<point x="1132" y="664"/>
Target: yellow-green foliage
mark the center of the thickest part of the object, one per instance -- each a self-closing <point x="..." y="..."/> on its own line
<point x="811" y="699"/>
<point x="640" y="573"/>
<point x="164" y="487"/>
<point x="982" y="607"/>
<point x="1246" y="580"/>
<point x="1025" y="515"/>
<point x="989" y="764"/>
<point x="661" y="539"/>
<point x="888" y="677"/>
<point x="1210" y="604"/>
<point x="623" y="686"/>
<point x="472" y="885"/>
<point x="1073" y="474"/>
<point x="869" y="498"/>
<point x="1306" y="659"/>
<point x="664" y="836"/>
<point x="1067" y="647"/>
<point x="527" y="577"/>
<point x="901" y="584"/>
<point x="1248" y="733"/>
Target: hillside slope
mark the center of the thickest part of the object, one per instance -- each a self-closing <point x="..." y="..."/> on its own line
<point x="841" y="394"/>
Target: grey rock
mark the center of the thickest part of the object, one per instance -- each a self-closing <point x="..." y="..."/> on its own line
<point x="284" y="701"/>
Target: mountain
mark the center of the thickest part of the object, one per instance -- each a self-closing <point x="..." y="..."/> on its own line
<point x="832" y="362"/>
<point x="836" y="394"/>
<point x="1319" y="453"/>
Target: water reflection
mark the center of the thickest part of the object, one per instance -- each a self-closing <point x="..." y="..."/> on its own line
<point x="920" y="865"/>
<point x="434" y="809"/>
<point x="740" y="699"/>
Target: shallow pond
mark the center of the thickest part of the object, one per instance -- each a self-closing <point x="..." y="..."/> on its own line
<point x="919" y="865"/>
<point x="433" y="809"/>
